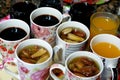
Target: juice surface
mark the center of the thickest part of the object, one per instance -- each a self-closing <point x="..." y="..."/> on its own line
<point x="101" y="25"/>
<point x="104" y="23"/>
<point x="106" y="50"/>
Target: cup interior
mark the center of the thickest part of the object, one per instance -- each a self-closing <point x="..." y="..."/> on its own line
<point x="89" y="55"/>
<point x="14" y="23"/>
<point x="46" y="11"/>
<point x="17" y="24"/>
<point x="73" y="24"/>
<point x="38" y="42"/>
<point x="105" y="38"/>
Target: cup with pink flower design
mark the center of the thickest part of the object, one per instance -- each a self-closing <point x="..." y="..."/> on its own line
<point x="29" y="66"/>
<point x="44" y="21"/>
<point x="67" y="41"/>
<point x="12" y="32"/>
<point x="80" y="65"/>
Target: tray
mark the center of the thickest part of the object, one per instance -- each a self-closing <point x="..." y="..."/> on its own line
<point x="13" y="67"/>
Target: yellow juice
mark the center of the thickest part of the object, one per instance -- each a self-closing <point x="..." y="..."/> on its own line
<point x="103" y="25"/>
<point x="107" y="50"/>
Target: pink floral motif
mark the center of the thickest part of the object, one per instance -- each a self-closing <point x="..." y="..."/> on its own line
<point x="7" y="49"/>
<point x="25" y="70"/>
<point x="67" y="45"/>
<point x="5" y="18"/>
<point x="55" y="65"/>
<point x="40" y="32"/>
<point x="40" y="75"/>
<point x="70" y="76"/>
<point x="45" y="33"/>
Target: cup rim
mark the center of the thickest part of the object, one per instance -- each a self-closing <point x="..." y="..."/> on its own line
<point x="88" y="35"/>
<point x="32" y="22"/>
<point x="33" y="39"/>
<point x="88" y="55"/>
<point x="99" y="35"/>
<point x="27" y="35"/>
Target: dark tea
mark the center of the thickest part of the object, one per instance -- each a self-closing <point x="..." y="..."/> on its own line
<point x="46" y="20"/>
<point x="22" y="10"/>
<point x="12" y="33"/>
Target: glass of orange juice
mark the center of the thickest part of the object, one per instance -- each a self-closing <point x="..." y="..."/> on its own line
<point x="103" y="22"/>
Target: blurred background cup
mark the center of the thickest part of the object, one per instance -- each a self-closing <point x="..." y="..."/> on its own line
<point x="35" y="67"/>
<point x="44" y="21"/>
<point x="80" y="65"/>
<point x="107" y="47"/>
<point x="21" y="9"/>
<point x="71" y="36"/>
<point x="12" y="32"/>
<point x="81" y="12"/>
<point x="57" y="4"/>
<point x="103" y="22"/>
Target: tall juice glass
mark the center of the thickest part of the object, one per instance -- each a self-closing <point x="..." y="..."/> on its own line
<point x="103" y="22"/>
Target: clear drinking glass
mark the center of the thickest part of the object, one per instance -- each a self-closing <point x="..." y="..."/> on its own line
<point x="103" y="22"/>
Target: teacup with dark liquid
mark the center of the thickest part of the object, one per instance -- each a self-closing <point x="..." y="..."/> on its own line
<point x="12" y="32"/>
<point x="46" y="20"/>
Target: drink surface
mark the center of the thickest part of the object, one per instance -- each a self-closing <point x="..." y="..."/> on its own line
<point x="106" y="50"/>
<point x="46" y="20"/>
<point x="103" y="25"/>
<point x="12" y="33"/>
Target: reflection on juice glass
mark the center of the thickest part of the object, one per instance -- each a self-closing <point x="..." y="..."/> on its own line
<point x="103" y="22"/>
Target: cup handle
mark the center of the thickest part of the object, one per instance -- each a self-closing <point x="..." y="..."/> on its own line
<point x="58" y="66"/>
<point x="66" y="17"/>
<point x="114" y="73"/>
<point x="58" y="54"/>
<point x="9" y="71"/>
<point x="111" y="64"/>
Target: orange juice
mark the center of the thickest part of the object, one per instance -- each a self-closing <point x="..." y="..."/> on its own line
<point x="106" y="49"/>
<point x="103" y="25"/>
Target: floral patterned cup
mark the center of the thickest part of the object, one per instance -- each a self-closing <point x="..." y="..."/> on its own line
<point x="7" y="47"/>
<point x="69" y="75"/>
<point x="46" y="33"/>
<point x="63" y="48"/>
<point x="28" y="71"/>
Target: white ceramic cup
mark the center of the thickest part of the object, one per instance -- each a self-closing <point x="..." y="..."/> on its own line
<point x="110" y="63"/>
<point x="7" y="47"/>
<point x="46" y="33"/>
<point x="27" y="71"/>
<point x="68" y="75"/>
<point x="63" y="48"/>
